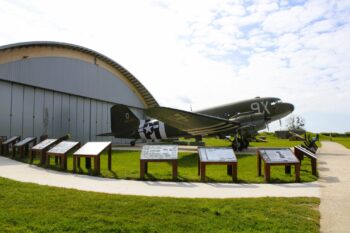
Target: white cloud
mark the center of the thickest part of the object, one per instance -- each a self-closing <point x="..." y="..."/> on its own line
<point x="207" y="52"/>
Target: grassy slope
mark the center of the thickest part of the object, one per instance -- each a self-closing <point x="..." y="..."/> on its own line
<point x="126" y="165"/>
<point x="345" y="141"/>
<point x="35" y="208"/>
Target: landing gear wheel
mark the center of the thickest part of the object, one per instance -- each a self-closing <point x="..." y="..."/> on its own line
<point x="245" y="143"/>
<point x="240" y="144"/>
<point x="132" y="143"/>
<point x="237" y="145"/>
<point x="234" y="146"/>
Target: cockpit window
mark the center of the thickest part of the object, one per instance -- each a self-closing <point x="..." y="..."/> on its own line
<point x="273" y="103"/>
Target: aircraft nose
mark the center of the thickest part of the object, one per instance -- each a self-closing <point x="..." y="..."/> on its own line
<point x="291" y="107"/>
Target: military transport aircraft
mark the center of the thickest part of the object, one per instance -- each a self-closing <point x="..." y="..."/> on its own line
<point x="242" y="120"/>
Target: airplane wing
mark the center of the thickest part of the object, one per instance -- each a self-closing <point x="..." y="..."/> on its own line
<point x="192" y="123"/>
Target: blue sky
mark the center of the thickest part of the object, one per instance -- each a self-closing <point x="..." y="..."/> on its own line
<point x="206" y="53"/>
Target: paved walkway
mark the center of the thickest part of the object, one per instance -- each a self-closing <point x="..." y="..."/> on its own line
<point x="334" y="171"/>
<point x="29" y="173"/>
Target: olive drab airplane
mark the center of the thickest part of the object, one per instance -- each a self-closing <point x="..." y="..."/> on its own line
<point x="241" y="120"/>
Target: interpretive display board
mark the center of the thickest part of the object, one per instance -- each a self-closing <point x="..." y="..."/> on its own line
<point x="63" y="147"/>
<point x="93" y="150"/>
<point x="41" y="148"/>
<point x="306" y="152"/>
<point x="10" y="142"/>
<point x="60" y="151"/>
<point x="158" y="153"/>
<point x="23" y="146"/>
<point x="44" y="144"/>
<point x="301" y="151"/>
<point x="217" y="156"/>
<point x="277" y="157"/>
<point x="25" y="141"/>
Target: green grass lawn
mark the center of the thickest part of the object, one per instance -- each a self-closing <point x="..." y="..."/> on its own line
<point x="272" y="141"/>
<point x="126" y="165"/>
<point x="33" y="208"/>
<point x="345" y="141"/>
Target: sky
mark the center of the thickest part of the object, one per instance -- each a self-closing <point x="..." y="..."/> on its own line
<point x="199" y="53"/>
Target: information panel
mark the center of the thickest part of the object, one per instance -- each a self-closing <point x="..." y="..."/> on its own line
<point x="306" y="152"/>
<point x="44" y="144"/>
<point x="92" y="148"/>
<point x="278" y="156"/>
<point x="217" y="154"/>
<point x="63" y="147"/>
<point x="159" y="152"/>
<point x="25" y="141"/>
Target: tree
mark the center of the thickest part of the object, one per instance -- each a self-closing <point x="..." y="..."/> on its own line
<point x="295" y="123"/>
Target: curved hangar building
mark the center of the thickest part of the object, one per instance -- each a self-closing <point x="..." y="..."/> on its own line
<point x="57" y="88"/>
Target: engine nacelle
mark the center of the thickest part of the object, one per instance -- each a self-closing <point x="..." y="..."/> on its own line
<point x="255" y="121"/>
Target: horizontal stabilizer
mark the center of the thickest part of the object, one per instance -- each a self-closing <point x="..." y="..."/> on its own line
<point x="192" y="123"/>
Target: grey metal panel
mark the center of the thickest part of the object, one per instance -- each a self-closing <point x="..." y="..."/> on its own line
<point x="104" y="120"/>
<point x="73" y="117"/>
<point x="65" y="114"/>
<point x="93" y="120"/>
<point x="147" y="96"/>
<point x="48" y="113"/>
<point x="5" y="108"/>
<point x="39" y="128"/>
<point x="109" y="121"/>
<point x="99" y="128"/>
<point x="17" y="110"/>
<point x="28" y="112"/>
<point x="86" y="120"/>
<point x="71" y="76"/>
<point x="57" y="114"/>
<point x="80" y="119"/>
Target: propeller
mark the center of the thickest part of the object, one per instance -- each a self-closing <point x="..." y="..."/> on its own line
<point x="280" y="123"/>
<point x="267" y="119"/>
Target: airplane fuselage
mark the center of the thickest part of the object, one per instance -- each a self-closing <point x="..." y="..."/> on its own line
<point x="253" y="115"/>
<point x="243" y="117"/>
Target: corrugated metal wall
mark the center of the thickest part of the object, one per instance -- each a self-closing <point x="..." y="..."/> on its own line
<point x="70" y="76"/>
<point x="29" y="111"/>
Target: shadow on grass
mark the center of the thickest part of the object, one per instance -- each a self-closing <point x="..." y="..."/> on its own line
<point x="114" y="174"/>
<point x="188" y="160"/>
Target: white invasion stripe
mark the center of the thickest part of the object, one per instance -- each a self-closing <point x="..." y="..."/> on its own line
<point x="213" y="131"/>
<point x="213" y="128"/>
<point x="218" y="131"/>
<point x="142" y="123"/>
<point x="153" y="135"/>
<point x="208" y="127"/>
<point x="142" y="135"/>
<point x="162" y="130"/>
<point x="140" y="130"/>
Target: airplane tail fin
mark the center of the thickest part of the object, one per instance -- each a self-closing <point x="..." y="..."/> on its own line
<point x="123" y="121"/>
